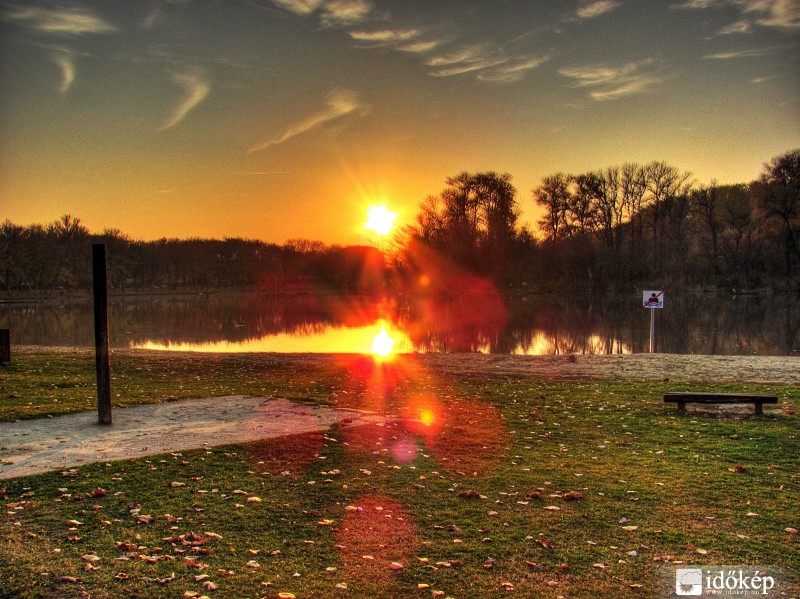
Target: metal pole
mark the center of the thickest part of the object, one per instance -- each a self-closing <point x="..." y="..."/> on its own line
<point x="652" y="331"/>
<point x="101" y="333"/>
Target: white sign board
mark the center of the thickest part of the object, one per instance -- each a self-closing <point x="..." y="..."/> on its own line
<point x="653" y="299"/>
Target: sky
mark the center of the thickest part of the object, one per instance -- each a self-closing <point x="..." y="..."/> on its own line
<point x="288" y="119"/>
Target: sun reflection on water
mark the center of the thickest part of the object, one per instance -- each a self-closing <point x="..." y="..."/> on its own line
<point x="380" y="339"/>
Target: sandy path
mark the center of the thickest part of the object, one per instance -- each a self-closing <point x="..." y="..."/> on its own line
<point x="64" y="442"/>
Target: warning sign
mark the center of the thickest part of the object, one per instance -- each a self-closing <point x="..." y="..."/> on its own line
<point x="653" y="299"/>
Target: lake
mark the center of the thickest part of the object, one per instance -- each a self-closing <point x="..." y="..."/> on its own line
<point x="532" y="324"/>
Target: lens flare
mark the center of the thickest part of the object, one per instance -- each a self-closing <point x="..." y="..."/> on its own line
<point x="423" y="416"/>
<point x="427" y="417"/>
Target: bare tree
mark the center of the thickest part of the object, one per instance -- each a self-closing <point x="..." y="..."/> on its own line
<point x="777" y="195"/>
<point x="554" y="196"/>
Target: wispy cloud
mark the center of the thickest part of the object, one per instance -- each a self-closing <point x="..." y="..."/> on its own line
<point x="298" y="7"/>
<point x="385" y="36"/>
<point x="743" y="26"/>
<point x="777" y="13"/>
<point x="66" y="64"/>
<point x="331" y="12"/>
<point x="340" y="102"/>
<point x="696" y="4"/>
<point x="490" y="63"/>
<point x="513" y="70"/>
<point x="67" y="20"/>
<point x="196" y="88"/>
<point x="767" y="13"/>
<point x="465" y="60"/>
<point x="612" y="83"/>
<point x="739" y="54"/>
<point x="420" y="46"/>
<point x="595" y="8"/>
<point x="345" y="12"/>
<point x="403" y="40"/>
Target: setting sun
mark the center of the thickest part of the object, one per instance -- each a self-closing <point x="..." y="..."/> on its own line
<point x="383" y="345"/>
<point x="380" y="220"/>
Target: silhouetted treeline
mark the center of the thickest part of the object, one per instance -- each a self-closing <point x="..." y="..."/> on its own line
<point x="620" y="227"/>
<point x="58" y="256"/>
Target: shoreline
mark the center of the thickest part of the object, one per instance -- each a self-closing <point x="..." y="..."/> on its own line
<point x="680" y="368"/>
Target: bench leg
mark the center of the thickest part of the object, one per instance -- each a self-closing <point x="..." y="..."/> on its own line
<point x="681" y="406"/>
<point x="759" y="407"/>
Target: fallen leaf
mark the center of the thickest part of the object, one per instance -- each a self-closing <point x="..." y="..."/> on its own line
<point x="395" y="566"/>
<point x="469" y="494"/>
<point x="573" y="496"/>
<point x="552" y="508"/>
<point x="175" y="484"/>
<point x="791" y="531"/>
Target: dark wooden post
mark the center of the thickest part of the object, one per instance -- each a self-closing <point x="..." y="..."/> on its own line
<point x="101" y="333"/>
<point x="5" y="345"/>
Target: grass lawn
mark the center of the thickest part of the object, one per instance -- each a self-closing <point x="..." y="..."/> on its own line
<point x="485" y="485"/>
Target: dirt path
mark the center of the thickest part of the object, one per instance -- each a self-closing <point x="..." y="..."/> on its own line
<point x="35" y="446"/>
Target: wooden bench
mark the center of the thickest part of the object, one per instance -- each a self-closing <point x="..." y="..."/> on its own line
<point x="684" y="397"/>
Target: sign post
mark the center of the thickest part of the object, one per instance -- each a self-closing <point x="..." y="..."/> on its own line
<point x="652" y="300"/>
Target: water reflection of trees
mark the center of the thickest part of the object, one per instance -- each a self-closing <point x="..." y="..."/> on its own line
<point x="457" y="322"/>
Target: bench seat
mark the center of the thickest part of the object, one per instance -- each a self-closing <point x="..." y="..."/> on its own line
<point x="683" y="397"/>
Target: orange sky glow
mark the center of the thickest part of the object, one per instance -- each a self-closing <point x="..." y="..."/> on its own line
<point x="288" y="119"/>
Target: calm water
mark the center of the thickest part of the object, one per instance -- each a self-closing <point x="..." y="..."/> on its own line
<point x="546" y="324"/>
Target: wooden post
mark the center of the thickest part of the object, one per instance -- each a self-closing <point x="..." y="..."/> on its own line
<point x="101" y="333"/>
<point x="5" y="346"/>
